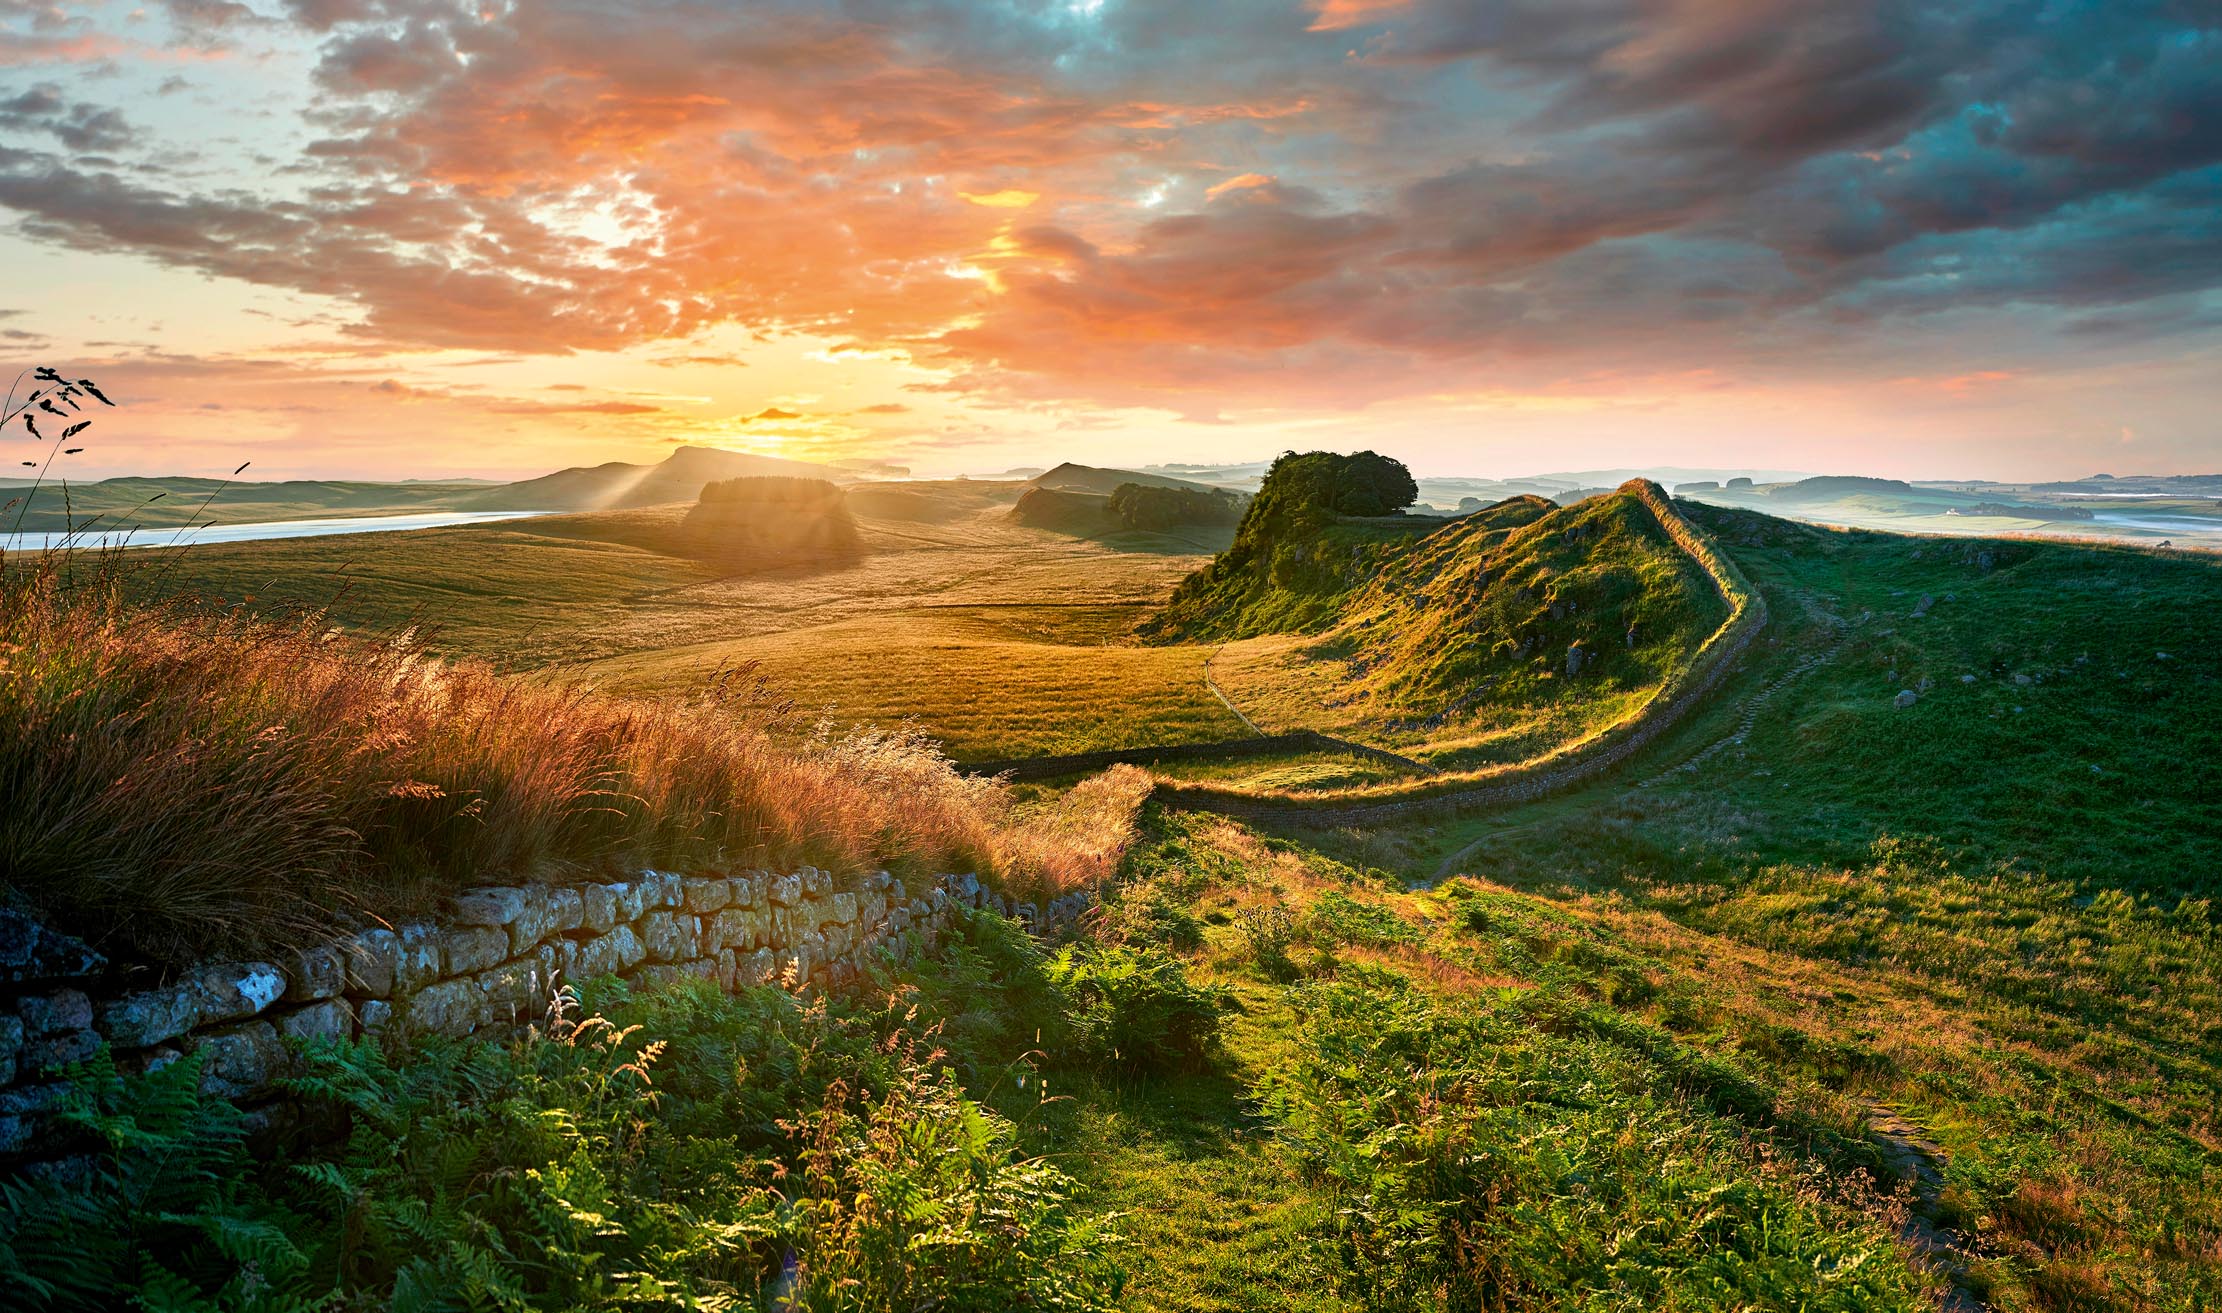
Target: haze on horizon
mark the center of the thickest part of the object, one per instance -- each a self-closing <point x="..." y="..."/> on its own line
<point x="401" y="238"/>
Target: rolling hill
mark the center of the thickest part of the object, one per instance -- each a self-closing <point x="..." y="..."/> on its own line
<point x="616" y="485"/>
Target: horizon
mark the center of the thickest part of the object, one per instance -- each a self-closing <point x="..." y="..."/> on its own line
<point x="359" y="240"/>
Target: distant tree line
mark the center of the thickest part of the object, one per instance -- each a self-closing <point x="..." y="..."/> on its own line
<point x="1143" y="506"/>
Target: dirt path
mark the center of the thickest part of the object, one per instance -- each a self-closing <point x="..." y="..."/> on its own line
<point x="1915" y="1159"/>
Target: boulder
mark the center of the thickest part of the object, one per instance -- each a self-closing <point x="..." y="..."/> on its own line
<point x="1906" y="698"/>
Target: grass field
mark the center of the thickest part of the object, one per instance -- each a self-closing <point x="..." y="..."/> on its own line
<point x="1990" y="913"/>
<point x="997" y="639"/>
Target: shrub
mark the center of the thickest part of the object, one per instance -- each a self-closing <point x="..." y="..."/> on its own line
<point x="1134" y="1009"/>
<point x="683" y="1148"/>
<point x="1267" y="935"/>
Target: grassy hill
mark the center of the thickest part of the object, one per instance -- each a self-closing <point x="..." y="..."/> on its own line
<point x="681" y="476"/>
<point x="167" y="503"/>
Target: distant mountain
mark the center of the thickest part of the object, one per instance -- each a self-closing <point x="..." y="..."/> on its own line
<point x="1069" y="477"/>
<point x="680" y="477"/>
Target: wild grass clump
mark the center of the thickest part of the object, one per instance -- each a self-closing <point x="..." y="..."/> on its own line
<point x="1135" y="1009"/>
<point x="182" y="780"/>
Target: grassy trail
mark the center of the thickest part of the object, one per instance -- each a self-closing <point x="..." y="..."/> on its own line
<point x="1217" y="1218"/>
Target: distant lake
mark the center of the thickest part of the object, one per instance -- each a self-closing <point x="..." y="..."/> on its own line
<point x="244" y="533"/>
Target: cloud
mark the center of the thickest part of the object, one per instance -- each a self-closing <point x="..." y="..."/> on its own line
<point x="1359" y="200"/>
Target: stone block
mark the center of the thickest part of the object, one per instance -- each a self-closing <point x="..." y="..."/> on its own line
<point x="703" y="895"/>
<point x="535" y="923"/>
<point x="374" y="1016"/>
<point x="656" y="975"/>
<point x="238" y="1061"/>
<point x="234" y="991"/>
<point x="759" y="967"/>
<point x="631" y="898"/>
<point x="747" y="891"/>
<point x="58" y="1050"/>
<point x="729" y="969"/>
<point x="420" y="961"/>
<point x="331" y="1018"/>
<point x="841" y="908"/>
<point x="495" y="906"/>
<point x="451" y="1007"/>
<point x="23" y="1109"/>
<point x="612" y="954"/>
<point x="669" y="936"/>
<point x="315" y="973"/>
<point x="11" y="1046"/>
<point x="515" y="991"/>
<point x="30" y="951"/>
<point x="149" y="1017"/>
<point x="53" y="1012"/>
<point x="373" y="959"/>
<point x="660" y="889"/>
<point x="473" y="948"/>
<point x="597" y="908"/>
<point x="786" y="891"/>
<point x="566" y="907"/>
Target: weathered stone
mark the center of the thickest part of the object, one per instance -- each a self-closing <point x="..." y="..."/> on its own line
<point x="841" y="908"/>
<point x="238" y="1061"/>
<point x="420" y="959"/>
<point x="659" y="975"/>
<point x="1906" y="698"/>
<point x="232" y="991"/>
<point x="786" y="891"/>
<point x="22" y="1109"/>
<point x="374" y="1016"/>
<point x="597" y="908"/>
<point x="659" y="889"/>
<point x="330" y="1019"/>
<point x="608" y="955"/>
<point x="494" y="905"/>
<point x="58" y="1050"/>
<point x="315" y="973"/>
<point x="668" y="937"/>
<point x="747" y="891"/>
<point x="534" y="924"/>
<point x="469" y="949"/>
<point x="631" y="900"/>
<point x="62" y="1009"/>
<point x="514" y="990"/>
<point x="759" y="967"/>
<point x="703" y="895"/>
<point x="451" y="1007"/>
<point x="729" y="969"/>
<point x="733" y="928"/>
<point x="11" y="1046"/>
<point x="149" y="1017"/>
<point x="702" y="968"/>
<point x="373" y="958"/>
<point x="30" y="951"/>
<point x="566" y="909"/>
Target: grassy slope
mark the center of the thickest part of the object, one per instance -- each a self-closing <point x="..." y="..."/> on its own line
<point x="1629" y="1151"/>
<point x="1456" y="650"/>
<point x="2003" y="895"/>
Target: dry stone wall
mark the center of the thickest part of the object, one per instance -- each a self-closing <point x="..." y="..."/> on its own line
<point x="490" y="964"/>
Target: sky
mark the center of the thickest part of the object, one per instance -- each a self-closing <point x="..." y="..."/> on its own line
<point x="410" y="238"/>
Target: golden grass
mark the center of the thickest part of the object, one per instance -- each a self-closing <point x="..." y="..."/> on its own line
<point x="184" y="780"/>
<point x="986" y="683"/>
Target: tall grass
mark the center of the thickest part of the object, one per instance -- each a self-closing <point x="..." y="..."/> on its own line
<point x="186" y="779"/>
